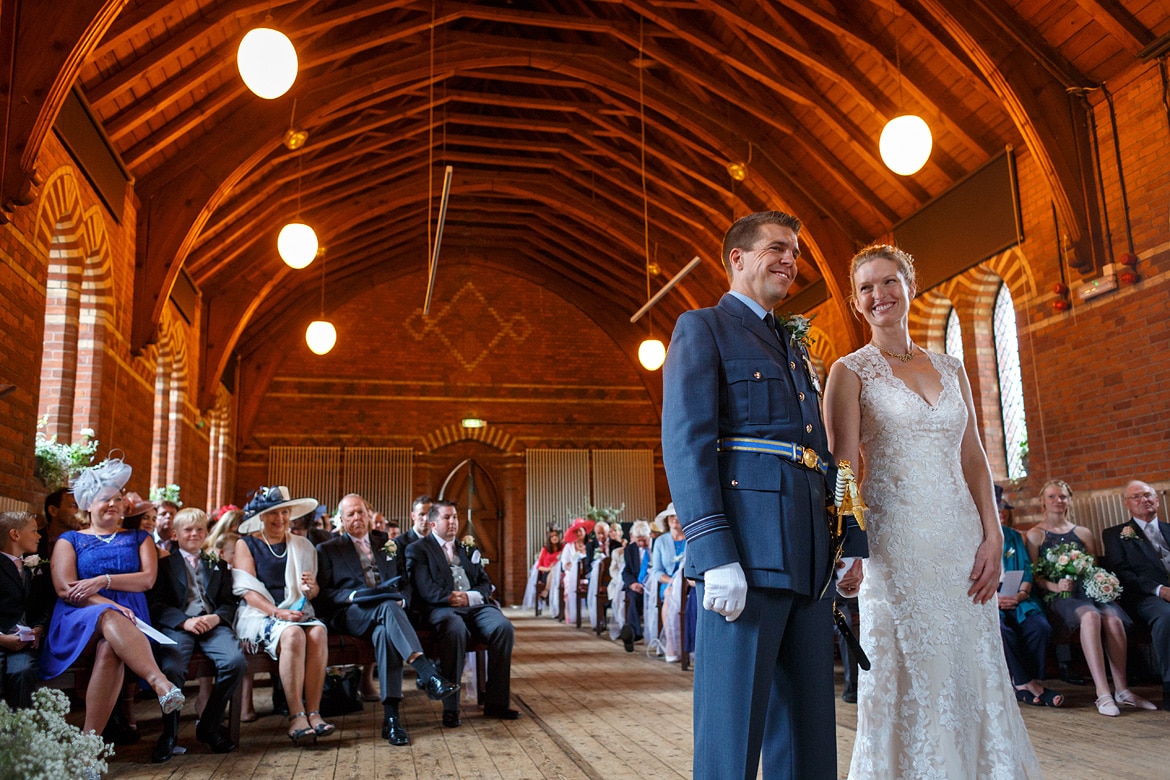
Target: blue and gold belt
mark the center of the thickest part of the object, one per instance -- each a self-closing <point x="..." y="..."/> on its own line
<point x="798" y="454"/>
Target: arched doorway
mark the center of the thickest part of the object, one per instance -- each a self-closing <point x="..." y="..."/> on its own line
<point x="481" y="512"/>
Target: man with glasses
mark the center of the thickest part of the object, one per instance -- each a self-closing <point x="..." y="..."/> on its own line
<point x="746" y="455"/>
<point x="1138" y="552"/>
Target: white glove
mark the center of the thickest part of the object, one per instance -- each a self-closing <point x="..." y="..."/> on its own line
<point x="725" y="590"/>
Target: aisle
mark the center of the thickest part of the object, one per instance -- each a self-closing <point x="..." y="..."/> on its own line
<point x="586" y="704"/>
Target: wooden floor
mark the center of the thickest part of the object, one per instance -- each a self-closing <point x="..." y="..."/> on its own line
<point x="585" y="701"/>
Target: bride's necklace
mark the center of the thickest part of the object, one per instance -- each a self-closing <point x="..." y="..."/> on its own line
<point x="904" y="358"/>
<point x="275" y="554"/>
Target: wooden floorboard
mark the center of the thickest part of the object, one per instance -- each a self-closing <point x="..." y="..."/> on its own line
<point x="585" y="703"/>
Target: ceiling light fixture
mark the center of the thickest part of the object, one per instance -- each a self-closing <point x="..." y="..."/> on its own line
<point x="473" y="422"/>
<point x="297" y="243"/>
<point x="738" y="169"/>
<point x="905" y="142"/>
<point x="321" y="336"/>
<point x="267" y="62"/>
<point x="651" y="352"/>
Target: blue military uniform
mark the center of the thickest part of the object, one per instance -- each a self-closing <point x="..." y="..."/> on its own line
<point x="746" y="456"/>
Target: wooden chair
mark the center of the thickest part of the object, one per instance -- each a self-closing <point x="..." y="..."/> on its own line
<point x="684" y="656"/>
<point x="582" y="594"/>
<point x="603" y="580"/>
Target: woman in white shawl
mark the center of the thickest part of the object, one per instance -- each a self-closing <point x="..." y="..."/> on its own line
<point x="275" y="575"/>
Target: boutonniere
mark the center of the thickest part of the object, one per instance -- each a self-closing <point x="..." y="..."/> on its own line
<point x="1010" y="552"/>
<point x="211" y="557"/>
<point x="34" y="563"/>
<point x="469" y="548"/>
<point x="1128" y="533"/>
<point x="390" y="548"/>
<point x="798" y="327"/>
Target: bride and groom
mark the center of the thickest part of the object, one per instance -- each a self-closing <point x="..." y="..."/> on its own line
<point x="747" y="457"/>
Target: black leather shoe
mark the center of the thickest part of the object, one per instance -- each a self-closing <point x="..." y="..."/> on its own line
<point x="394" y="733"/>
<point x="628" y="638"/>
<point x="1066" y="674"/>
<point x="451" y="719"/>
<point x="438" y="688"/>
<point x="118" y="731"/>
<point x="850" y="697"/>
<point x="1166" y="697"/>
<point x="215" y="739"/>
<point x="165" y="747"/>
<point x="502" y="713"/>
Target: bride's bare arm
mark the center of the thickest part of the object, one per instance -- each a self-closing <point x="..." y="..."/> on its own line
<point x="977" y="473"/>
<point x="843" y="413"/>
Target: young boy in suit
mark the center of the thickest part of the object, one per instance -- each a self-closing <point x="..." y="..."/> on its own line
<point x="24" y="606"/>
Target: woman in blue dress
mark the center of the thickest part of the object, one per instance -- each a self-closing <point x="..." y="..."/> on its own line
<point x="101" y="574"/>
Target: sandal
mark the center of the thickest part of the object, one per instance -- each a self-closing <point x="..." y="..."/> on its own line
<point x="296" y="735"/>
<point x="322" y="729"/>
<point x="171" y="701"/>
<point x="1049" y="698"/>
<point x="1027" y="697"/>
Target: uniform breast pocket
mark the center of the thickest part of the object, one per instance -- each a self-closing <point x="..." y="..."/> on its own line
<point x="758" y="392"/>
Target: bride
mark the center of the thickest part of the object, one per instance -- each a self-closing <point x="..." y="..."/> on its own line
<point x="938" y="702"/>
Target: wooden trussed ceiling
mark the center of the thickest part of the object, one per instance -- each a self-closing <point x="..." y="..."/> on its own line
<point x="537" y="106"/>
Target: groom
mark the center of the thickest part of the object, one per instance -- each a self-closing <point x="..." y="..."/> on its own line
<point x="746" y="456"/>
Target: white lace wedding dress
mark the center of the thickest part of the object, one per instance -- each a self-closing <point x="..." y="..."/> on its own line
<point x="938" y="702"/>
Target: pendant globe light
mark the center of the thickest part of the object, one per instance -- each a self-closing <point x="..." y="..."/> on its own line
<point x="267" y="62"/>
<point x="651" y="352"/>
<point x="905" y="142"/>
<point x="297" y="242"/>
<point x="321" y="336"/>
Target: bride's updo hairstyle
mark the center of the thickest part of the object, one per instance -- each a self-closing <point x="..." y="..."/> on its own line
<point x="900" y="258"/>
<point x="1060" y="483"/>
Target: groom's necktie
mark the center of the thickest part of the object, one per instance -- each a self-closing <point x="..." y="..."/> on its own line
<point x="779" y="333"/>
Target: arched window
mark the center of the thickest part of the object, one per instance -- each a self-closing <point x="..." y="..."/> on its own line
<point x="953" y="336"/>
<point x="1011" y="387"/>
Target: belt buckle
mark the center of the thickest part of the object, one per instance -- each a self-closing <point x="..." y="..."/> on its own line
<point x="809" y="458"/>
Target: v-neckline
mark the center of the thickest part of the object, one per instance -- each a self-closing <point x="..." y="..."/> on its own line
<point x="890" y="371"/>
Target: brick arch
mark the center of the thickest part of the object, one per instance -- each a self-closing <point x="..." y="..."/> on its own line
<point x="221" y="449"/>
<point x="96" y="316"/>
<point x="170" y="401"/>
<point x="823" y="352"/>
<point x="1013" y="268"/>
<point x="492" y="435"/>
<point x="928" y="319"/>
<point x="57" y="233"/>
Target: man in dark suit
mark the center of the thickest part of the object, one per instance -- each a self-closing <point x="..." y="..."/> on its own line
<point x="420" y="526"/>
<point x="61" y="515"/>
<point x="1138" y="552"/>
<point x="26" y="599"/>
<point x="746" y="456"/>
<point x="635" y="574"/>
<point x="192" y="603"/>
<point x="362" y="595"/>
<point x="453" y="594"/>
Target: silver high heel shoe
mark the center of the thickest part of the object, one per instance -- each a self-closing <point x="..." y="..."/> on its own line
<point x="172" y="701"/>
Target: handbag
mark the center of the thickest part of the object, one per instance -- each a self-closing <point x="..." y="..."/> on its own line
<point x="342" y="692"/>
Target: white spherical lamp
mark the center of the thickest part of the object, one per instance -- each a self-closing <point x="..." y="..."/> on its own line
<point x="321" y="336"/>
<point x="267" y="62"/>
<point x="905" y="144"/>
<point x="651" y="354"/>
<point x="297" y="244"/>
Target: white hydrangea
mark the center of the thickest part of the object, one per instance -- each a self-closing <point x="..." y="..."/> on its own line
<point x="38" y="743"/>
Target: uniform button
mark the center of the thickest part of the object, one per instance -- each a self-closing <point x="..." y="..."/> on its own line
<point x="808" y="428"/>
<point x="735" y="483"/>
<point x="756" y="375"/>
<point x="801" y="396"/>
<point x="792" y="365"/>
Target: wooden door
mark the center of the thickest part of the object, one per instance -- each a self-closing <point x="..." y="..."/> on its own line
<point x="481" y="514"/>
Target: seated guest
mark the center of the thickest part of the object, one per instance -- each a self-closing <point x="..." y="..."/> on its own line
<point x="549" y="554"/>
<point x="361" y="595"/>
<point x="378" y="522"/>
<point x="634" y="576"/>
<point x="453" y="594"/>
<point x="1022" y="625"/>
<point x="599" y="544"/>
<point x="615" y="535"/>
<point x="275" y="574"/>
<point x="1138" y="552"/>
<point x="139" y="514"/>
<point x="573" y="551"/>
<point x="25" y="601"/>
<point x="229" y="523"/>
<point x="192" y="603"/>
<point x="61" y="515"/>
<point x="164" y="523"/>
<point x="1097" y="622"/>
<point x="393" y="529"/>
<point x="101" y="575"/>
<point x="668" y="550"/>
<point x="420" y="527"/>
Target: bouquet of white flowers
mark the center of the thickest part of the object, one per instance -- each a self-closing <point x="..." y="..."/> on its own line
<point x="38" y="744"/>
<point x="1101" y="586"/>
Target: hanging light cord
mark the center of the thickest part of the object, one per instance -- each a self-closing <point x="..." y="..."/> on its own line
<point x="645" y="199"/>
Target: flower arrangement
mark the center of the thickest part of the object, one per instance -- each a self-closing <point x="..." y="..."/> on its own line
<point x="1128" y="533"/>
<point x="58" y="463"/>
<point x="38" y="744"/>
<point x="798" y="327"/>
<point x="1101" y="586"/>
<point x="168" y="493"/>
<point x="1068" y="561"/>
<point x="390" y="548"/>
<point x="597" y="514"/>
